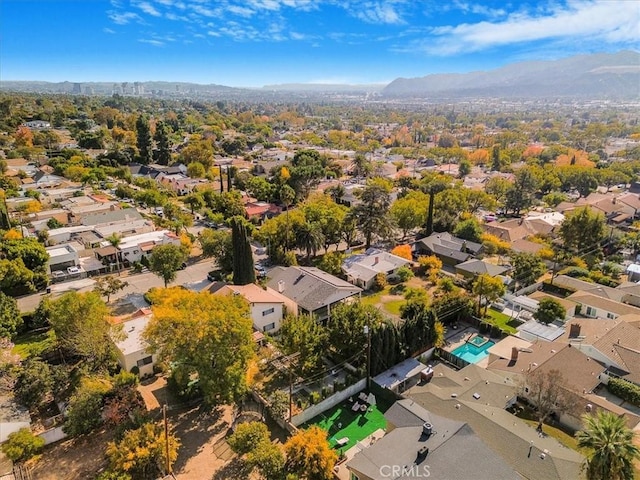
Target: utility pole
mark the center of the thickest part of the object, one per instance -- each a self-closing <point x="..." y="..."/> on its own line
<point x="166" y="439"/>
<point x="367" y="332"/>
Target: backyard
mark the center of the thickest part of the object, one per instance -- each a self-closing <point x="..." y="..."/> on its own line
<point x="342" y="422"/>
<point x="504" y="322"/>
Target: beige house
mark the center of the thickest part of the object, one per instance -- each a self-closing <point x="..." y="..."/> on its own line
<point x="132" y="348"/>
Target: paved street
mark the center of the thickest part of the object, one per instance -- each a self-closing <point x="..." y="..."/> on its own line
<point x="195" y="275"/>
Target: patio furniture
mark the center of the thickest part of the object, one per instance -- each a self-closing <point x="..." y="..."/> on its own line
<point x="363" y="396"/>
<point x="363" y="408"/>
<point x="341" y="442"/>
<point x="356" y="407"/>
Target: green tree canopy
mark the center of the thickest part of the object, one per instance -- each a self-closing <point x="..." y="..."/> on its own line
<point x="10" y="318"/>
<point x="345" y="328"/>
<point x="166" y="260"/>
<point x="549" y="310"/>
<point x="582" y="231"/>
<point x="303" y="333"/>
<point x="204" y="335"/>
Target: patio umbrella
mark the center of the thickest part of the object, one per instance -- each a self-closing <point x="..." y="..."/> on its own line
<point x="371" y="399"/>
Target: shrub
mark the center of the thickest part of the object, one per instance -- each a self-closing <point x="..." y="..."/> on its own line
<point x="625" y="390"/>
<point x="314" y="397"/>
<point x="380" y="282"/>
<point x="404" y="273"/>
<point x="22" y="445"/>
<point x="575" y="272"/>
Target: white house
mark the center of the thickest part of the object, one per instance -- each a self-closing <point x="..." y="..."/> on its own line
<point x="62" y="257"/>
<point x="594" y="306"/>
<point x="132" y="349"/>
<point x="361" y="270"/>
<point x="267" y="307"/>
<point x="133" y="248"/>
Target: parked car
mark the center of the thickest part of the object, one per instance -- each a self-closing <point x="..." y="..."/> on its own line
<point x="215" y="275"/>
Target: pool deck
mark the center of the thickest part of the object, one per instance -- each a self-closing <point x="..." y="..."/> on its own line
<point x="459" y="338"/>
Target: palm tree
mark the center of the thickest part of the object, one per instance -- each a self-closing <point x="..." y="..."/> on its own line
<point x="611" y="448"/>
<point x="115" y="240"/>
<point x="310" y="238"/>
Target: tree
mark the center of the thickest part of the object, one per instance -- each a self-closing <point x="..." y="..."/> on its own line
<point x="163" y="144"/>
<point x="114" y="240"/>
<point x="469" y="229"/>
<point x="109" y="285"/>
<point x="309" y="456"/>
<point x="372" y="212"/>
<point x="410" y="211"/>
<point x="302" y="333"/>
<point x="247" y="435"/>
<point x="218" y="354"/>
<point x="84" y="411"/>
<point x="361" y="167"/>
<point x="549" y="310"/>
<point x="217" y="244"/>
<point x="488" y="289"/>
<point x="521" y="194"/>
<point x="33" y="383"/>
<point x="143" y="140"/>
<point x="546" y="393"/>
<point x="418" y="331"/>
<point x="582" y="231"/>
<point x="80" y="321"/>
<point x="196" y="170"/>
<point x="403" y="251"/>
<point x="22" y="445"/>
<point x="309" y="238"/>
<point x="194" y="201"/>
<point x="432" y="184"/>
<point x="142" y="452"/>
<point x="527" y="268"/>
<point x="464" y="168"/>
<point x="307" y="169"/>
<point x="431" y="266"/>
<point x="498" y="187"/>
<point x="244" y="271"/>
<point x="345" y="328"/>
<point x="166" y="260"/>
<point x="610" y="445"/>
<point x="10" y="318"/>
<point x="331" y="262"/>
<point x="53" y="223"/>
<point x="278" y="404"/>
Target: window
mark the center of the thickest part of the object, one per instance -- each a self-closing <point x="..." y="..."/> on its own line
<point x="144" y="361"/>
<point x="269" y="326"/>
<point x="611" y="316"/>
<point x="591" y="312"/>
<point x="268" y="312"/>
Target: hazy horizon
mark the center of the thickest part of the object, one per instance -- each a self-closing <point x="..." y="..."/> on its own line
<point x="253" y="43"/>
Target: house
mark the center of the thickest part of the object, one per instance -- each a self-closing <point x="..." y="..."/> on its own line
<point x="478" y="398"/>
<point x="626" y="292"/>
<point x="111" y="216"/>
<point x="61" y="257"/>
<point x="260" y="211"/>
<point x="132" y="348"/>
<point x="604" y="203"/>
<point x="420" y="444"/>
<point x="13" y="417"/>
<point x="595" y="306"/>
<point x="267" y="307"/>
<point x="472" y="268"/>
<point x="133" y="248"/>
<point x="451" y="250"/>
<point x="37" y="124"/>
<point x="313" y="290"/>
<point x="614" y="343"/>
<point x="580" y="375"/>
<point x="402" y="376"/>
<point x="361" y="269"/>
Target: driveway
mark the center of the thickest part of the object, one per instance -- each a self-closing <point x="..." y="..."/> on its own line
<point x="138" y="284"/>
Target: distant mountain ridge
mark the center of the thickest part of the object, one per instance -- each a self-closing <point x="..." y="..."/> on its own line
<point x="600" y="75"/>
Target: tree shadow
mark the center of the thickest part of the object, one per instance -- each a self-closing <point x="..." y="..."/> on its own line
<point x="236" y="469"/>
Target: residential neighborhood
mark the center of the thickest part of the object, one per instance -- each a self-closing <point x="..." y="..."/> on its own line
<point x="213" y="291"/>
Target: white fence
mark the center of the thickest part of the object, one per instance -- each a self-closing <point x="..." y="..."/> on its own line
<point x="54" y="435"/>
<point x="328" y="402"/>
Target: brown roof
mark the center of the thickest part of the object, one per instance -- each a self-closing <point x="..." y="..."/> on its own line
<point x="587" y="330"/>
<point x="510" y="230"/>
<point x="522" y="245"/>
<point x="568" y="305"/>
<point x="527" y="361"/>
<point x="580" y="373"/>
<point x="606" y="304"/>
<point x="105" y="251"/>
<point x="622" y="345"/>
<point x="252" y="292"/>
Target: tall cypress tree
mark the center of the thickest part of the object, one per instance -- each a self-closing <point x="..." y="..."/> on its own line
<point x="5" y="223"/>
<point x="144" y="142"/>
<point x="163" y="143"/>
<point x="243" y="269"/>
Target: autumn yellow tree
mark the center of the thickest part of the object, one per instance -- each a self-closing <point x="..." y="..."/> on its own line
<point x="309" y="455"/>
<point x="204" y="336"/>
<point x="142" y="452"/>
<point x="403" y="251"/>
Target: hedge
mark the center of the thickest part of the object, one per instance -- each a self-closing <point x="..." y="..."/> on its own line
<point x="625" y="390"/>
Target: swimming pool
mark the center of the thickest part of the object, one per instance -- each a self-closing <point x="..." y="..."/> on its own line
<point x="474" y="350"/>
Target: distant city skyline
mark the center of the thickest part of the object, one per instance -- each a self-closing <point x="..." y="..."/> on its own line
<point x="253" y="43"/>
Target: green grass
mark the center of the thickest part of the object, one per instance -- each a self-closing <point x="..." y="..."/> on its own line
<point x="393" y="307"/>
<point x="562" y="437"/>
<point x="501" y="320"/>
<point x="341" y="421"/>
<point x="32" y="344"/>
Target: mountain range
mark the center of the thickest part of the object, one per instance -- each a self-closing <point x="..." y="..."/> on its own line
<point x="595" y="76"/>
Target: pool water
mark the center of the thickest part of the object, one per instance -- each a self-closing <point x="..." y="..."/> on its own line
<point x="472" y="353"/>
<point x="478" y="340"/>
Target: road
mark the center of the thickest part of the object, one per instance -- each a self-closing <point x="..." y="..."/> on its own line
<point x="195" y="275"/>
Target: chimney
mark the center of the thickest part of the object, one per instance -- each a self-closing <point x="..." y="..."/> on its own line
<point x="427" y="429"/>
<point x="376" y="260"/>
<point x="280" y="286"/>
<point x="514" y="354"/>
<point x="574" y="330"/>
<point x="422" y="454"/>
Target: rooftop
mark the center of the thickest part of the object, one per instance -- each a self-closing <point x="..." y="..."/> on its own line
<point x="132" y="330"/>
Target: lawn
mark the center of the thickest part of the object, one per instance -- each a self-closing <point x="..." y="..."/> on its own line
<point x="340" y="422"/>
<point x="32" y="344"/>
<point x="390" y="306"/>
<point x="501" y="320"/>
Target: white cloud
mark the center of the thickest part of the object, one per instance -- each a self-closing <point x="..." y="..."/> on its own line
<point x="122" y="18"/>
<point x="479" y="9"/>
<point x="241" y="11"/>
<point x="108" y="30"/>
<point x="610" y="22"/>
<point x="152" y="41"/>
<point x="376" y="12"/>
<point x="147" y="8"/>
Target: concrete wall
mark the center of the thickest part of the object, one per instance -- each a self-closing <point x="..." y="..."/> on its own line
<point x="329" y="402"/>
<point x="259" y="321"/>
<point x="54" y="435"/>
<point x="7" y="429"/>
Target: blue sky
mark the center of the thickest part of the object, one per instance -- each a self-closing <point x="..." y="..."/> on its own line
<point x="258" y="42"/>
